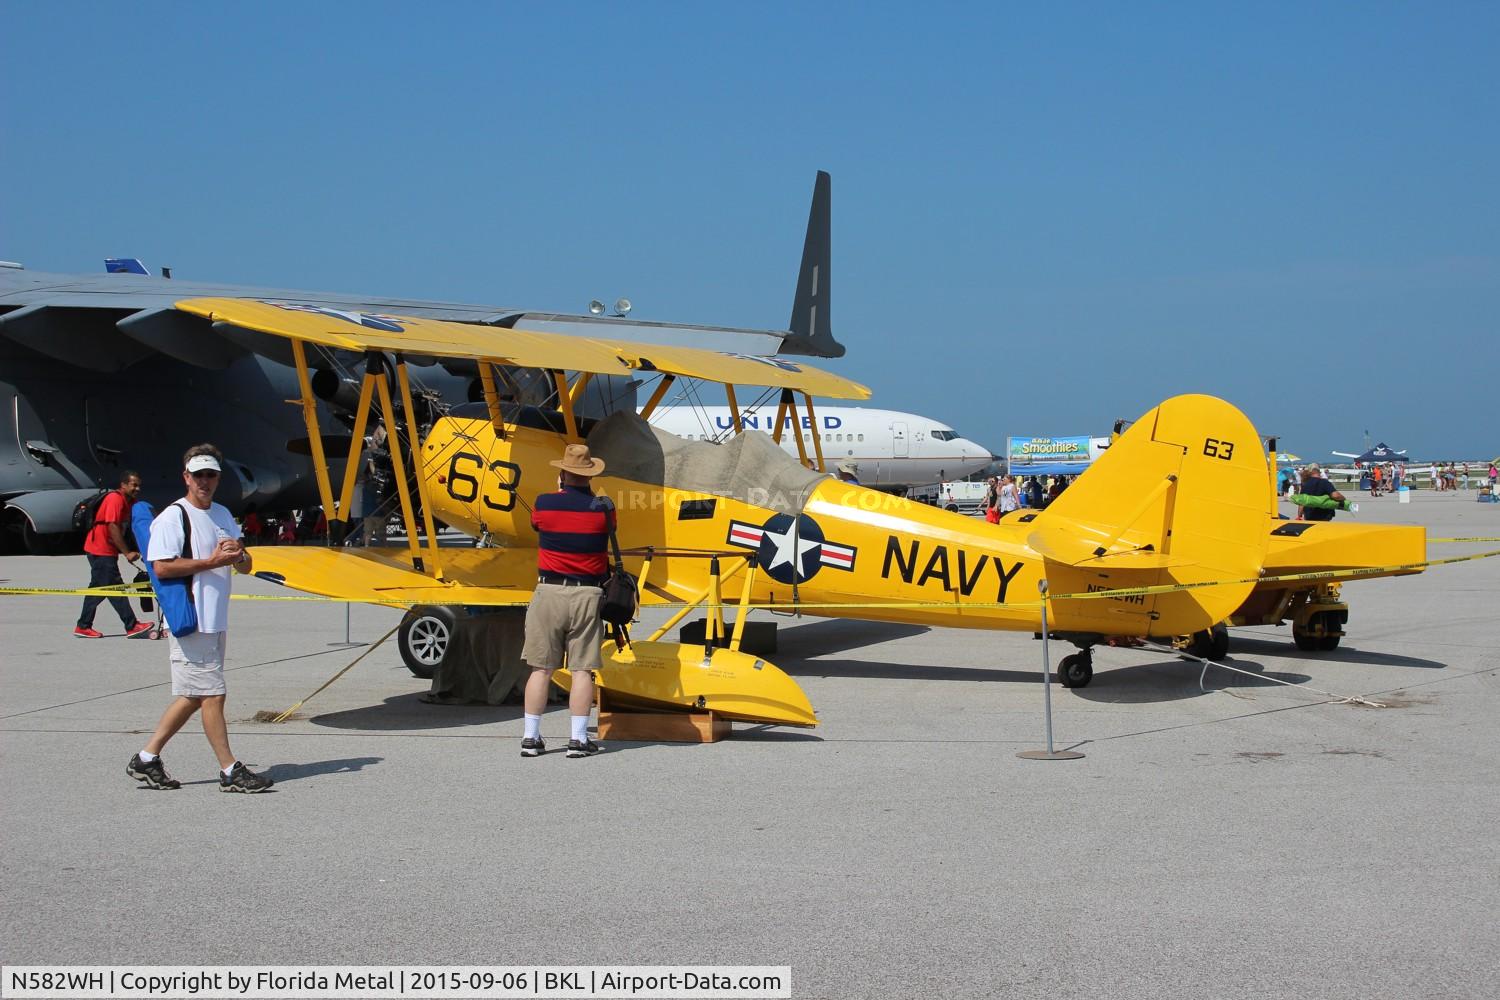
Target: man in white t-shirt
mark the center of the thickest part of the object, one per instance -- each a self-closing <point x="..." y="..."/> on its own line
<point x="198" y="658"/>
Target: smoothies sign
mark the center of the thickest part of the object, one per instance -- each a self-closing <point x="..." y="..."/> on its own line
<point x="1026" y="451"/>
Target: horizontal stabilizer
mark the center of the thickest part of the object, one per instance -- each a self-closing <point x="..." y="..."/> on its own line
<point x="1056" y="542"/>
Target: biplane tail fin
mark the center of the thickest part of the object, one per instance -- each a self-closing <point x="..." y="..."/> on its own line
<point x="1180" y="497"/>
<point x="811" y="326"/>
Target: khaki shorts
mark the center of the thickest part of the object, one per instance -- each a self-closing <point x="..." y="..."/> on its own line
<point x="564" y="619"/>
<point x="197" y="664"/>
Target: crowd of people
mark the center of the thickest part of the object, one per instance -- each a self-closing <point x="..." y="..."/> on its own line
<point x="1004" y="494"/>
<point x="293" y="527"/>
<point x="1387" y="477"/>
<point x="1457" y="476"/>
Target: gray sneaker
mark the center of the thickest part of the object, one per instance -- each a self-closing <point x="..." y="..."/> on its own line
<point x="241" y="779"/>
<point x="585" y="749"/>
<point x="532" y="746"/>
<point x="153" y="774"/>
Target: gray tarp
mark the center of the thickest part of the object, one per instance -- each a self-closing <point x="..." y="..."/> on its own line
<point x="483" y="664"/>
<point x="750" y="467"/>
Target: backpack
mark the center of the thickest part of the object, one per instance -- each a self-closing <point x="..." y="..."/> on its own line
<point x="621" y="595"/>
<point x="87" y="510"/>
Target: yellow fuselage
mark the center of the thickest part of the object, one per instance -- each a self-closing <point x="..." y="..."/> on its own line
<point x="858" y="553"/>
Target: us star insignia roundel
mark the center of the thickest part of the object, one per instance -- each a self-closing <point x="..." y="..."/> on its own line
<point x="373" y="321"/>
<point x="790" y="550"/>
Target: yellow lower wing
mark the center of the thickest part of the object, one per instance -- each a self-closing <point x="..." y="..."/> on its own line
<point x="375" y="575"/>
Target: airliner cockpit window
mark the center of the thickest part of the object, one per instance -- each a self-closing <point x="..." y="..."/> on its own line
<point x="945" y="435"/>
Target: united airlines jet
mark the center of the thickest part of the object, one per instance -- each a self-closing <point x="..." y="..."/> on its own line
<point x="890" y="448"/>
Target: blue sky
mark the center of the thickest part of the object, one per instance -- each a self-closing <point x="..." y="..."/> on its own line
<point x="1044" y="217"/>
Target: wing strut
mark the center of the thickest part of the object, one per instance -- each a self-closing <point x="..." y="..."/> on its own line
<point x="656" y="397"/>
<point x="492" y="398"/>
<point x="781" y="408"/>
<point x="565" y="403"/>
<point x="582" y="383"/>
<point x="415" y="445"/>
<point x="734" y="408"/>
<point x="314" y="436"/>
<point x="737" y="563"/>
<point x="398" y="466"/>
<point x="356" y="446"/>
<point x="817" y="438"/>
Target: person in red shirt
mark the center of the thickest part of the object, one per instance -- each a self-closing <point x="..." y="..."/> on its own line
<point x="573" y="527"/>
<point x="103" y="546"/>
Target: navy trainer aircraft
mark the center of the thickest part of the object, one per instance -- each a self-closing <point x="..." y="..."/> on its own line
<point x="99" y="373"/>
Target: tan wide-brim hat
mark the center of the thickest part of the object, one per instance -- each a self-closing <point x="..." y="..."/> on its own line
<point x="848" y="467"/>
<point x="577" y="460"/>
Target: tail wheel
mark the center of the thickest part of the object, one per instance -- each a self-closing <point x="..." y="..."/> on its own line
<point x="1323" y="631"/>
<point x="1210" y="644"/>
<point x="425" y="637"/>
<point x="1076" y="670"/>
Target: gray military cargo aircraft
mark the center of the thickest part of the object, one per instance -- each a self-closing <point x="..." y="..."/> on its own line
<point x="99" y="373"/>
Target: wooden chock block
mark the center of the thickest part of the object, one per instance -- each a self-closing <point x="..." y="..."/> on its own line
<point x="634" y="725"/>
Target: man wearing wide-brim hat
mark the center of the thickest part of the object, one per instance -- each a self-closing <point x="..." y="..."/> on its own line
<point x="573" y="528"/>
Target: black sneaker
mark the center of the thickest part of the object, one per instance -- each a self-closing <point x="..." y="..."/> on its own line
<point x="241" y="779"/>
<point x="153" y="774"/>
<point x="585" y="749"/>
<point x="532" y="746"/>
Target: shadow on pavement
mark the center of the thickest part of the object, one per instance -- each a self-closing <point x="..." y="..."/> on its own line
<point x="1344" y="654"/>
<point x="291" y="772"/>
<point x="1176" y="680"/>
<point x="408" y="712"/>
<point x="839" y="635"/>
<point x="903" y="671"/>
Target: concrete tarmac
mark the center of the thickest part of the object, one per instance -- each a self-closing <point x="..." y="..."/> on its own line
<point x="1252" y="840"/>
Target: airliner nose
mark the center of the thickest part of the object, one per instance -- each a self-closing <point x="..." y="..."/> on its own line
<point x="973" y="450"/>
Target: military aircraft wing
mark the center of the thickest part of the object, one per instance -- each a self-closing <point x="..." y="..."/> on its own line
<point x="357" y="331"/>
<point x="385" y="575"/>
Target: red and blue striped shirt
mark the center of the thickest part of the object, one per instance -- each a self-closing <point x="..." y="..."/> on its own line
<point x="573" y="527"/>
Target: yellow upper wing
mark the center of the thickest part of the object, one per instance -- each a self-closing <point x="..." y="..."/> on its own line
<point x="356" y="331"/>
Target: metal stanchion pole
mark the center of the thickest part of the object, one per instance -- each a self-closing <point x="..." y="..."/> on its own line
<point x="1049" y="753"/>
<point x="347" y="640"/>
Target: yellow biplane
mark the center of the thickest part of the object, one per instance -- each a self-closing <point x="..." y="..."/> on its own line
<point x="1180" y="499"/>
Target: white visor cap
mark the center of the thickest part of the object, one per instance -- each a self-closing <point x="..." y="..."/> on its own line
<point x="199" y="463"/>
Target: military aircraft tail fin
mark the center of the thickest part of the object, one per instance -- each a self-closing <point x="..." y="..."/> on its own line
<point x="1179" y="498"/>
<point x="812" y="330"/>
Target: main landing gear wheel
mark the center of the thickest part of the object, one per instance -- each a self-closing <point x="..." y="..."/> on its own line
<point x="1076" y="669"/>
<point x="1210" y="644"/>
<point x="424" y="638"/>
<point x="1309" y="638"/>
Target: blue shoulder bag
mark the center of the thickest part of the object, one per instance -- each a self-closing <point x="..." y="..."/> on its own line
<point x="174" y="594"/>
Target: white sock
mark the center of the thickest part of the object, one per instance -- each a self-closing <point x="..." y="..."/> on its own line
<point x="580" y="728"/>
<point x="533" y="727"/>
<point x="225" y="771"/>
<point x="145" y="757"/>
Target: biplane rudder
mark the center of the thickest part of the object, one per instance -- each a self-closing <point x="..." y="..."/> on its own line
<point x="1179" y="498"/>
